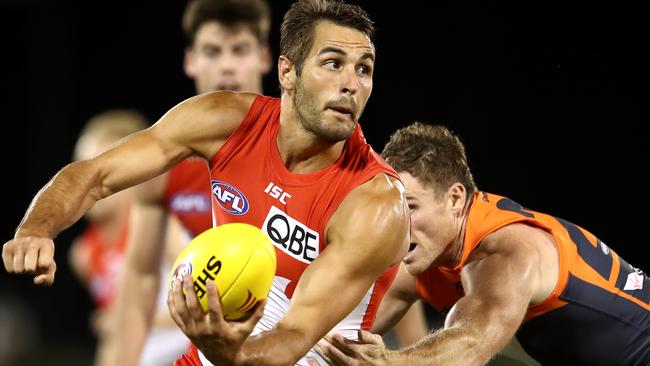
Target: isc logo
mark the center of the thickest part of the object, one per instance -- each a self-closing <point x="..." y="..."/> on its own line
<point x="229" y="198"/>
<point x="291" y="236"/>
<point x="277" y="192"/>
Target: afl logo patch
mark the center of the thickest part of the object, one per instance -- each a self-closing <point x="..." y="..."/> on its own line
<point x="231" y="199"/>
<point x="181" y="270"/>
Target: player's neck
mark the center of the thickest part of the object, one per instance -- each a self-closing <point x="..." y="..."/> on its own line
<point x="454" y="252"/>
<point x="459" y="241"/>
<point x="301" y="151"/>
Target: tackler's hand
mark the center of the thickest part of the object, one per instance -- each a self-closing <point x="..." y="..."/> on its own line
<point x="368" y="350"/>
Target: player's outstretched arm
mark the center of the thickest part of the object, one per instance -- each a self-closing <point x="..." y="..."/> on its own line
<point x="499" y="285"/>
<point x="399" y="298"/>
<point x="197" y="126"/>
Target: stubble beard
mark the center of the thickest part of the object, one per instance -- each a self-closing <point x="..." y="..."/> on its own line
<point x="311" y="117"/>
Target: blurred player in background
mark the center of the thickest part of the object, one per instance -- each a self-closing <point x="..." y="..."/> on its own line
<point x="97" y="255"/>
<point x="227" y="49"/>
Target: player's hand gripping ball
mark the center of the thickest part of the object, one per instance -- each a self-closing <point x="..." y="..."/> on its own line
<point x="238" y="257"/>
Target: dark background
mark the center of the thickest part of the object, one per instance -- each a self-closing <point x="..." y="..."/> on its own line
<point x="545" y="97"/>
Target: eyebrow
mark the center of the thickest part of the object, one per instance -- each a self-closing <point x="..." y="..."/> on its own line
<point x="339" y="51"/>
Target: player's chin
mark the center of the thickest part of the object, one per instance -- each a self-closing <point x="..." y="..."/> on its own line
<point x="339" y="129"/>
<point x="343" y="124"/>
<point x="413" y="263"/>
<point x="414" y="268"/>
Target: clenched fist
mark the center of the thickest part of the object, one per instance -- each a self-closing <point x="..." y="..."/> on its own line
<point x="30" y="254"/>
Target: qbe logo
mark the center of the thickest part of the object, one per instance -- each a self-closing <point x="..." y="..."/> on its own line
<point x="231" y="199"/>
<point x="291" y="236"/>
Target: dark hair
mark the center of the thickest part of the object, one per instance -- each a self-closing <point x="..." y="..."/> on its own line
<point x="253" y="14"/>
<point x="431" y="154"/>
<point x="297" y="30"/>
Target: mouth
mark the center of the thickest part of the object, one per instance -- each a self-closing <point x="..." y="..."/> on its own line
<point x="342" y="109"/>
<point x="409" y="257"/>
<point x="342" y="114"/>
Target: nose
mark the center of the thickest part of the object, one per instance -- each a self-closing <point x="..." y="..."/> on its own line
<point x="349" y="81"/>
<point x="227" y="63"/>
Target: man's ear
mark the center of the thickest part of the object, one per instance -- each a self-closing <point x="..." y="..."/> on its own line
<point x="457" y="196"/>
<point x="286" y="73"/>
<point x="189" y="62"/>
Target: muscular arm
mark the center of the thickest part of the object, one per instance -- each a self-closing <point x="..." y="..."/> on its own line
<point x="397" y="301"/>
<point x="367" y="234"/>
<point x="499" y="284"/>
<point x="75" y="188"/>
<point x="197" y="126"/>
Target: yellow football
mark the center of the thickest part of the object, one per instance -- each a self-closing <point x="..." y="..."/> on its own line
<point x="238" y="257"/>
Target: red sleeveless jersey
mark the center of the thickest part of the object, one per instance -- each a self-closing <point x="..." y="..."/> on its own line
<point x="105" y="261"/>
<point x="187" y="195"/>
<point x="599" y="311"/>
<point x="251" y="184"/>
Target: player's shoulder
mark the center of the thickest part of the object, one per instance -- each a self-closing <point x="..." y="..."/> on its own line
<point x="376" y="213"/>
<point x="219" y="107"/>
<point x="382" y="186"/>
<point x="511" y="239"/>
<point x="381" y="196"/>
<point x="205" y="121"/>
<point x="224" y="102"/>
